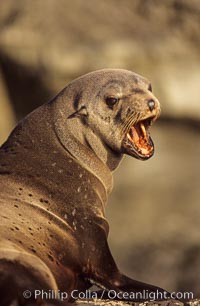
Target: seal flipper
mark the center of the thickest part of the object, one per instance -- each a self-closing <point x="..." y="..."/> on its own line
<point x="105" y="274"/>
<point x="132" y="290"/>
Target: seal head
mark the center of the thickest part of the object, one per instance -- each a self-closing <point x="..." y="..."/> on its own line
<point x="119" y="110"/>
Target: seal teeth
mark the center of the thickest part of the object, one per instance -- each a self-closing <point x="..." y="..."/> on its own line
<point x="129" y="137"/>
<point x="133" y="135"/>
<point x="143" y="129"/>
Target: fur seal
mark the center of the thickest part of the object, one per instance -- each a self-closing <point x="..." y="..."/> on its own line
<point x="55" y="176"/>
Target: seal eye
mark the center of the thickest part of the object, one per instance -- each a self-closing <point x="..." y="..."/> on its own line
<point x="111" y="101"/>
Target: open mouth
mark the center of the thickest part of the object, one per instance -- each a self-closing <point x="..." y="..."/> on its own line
<point x="137" y="141"/>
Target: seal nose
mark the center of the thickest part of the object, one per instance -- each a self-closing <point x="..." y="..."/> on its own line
<point x="151" y="105"/>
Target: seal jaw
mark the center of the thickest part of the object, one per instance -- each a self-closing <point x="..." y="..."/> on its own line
<point x="137" y="141"/>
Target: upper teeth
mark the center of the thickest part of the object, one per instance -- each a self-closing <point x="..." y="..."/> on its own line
<point x="129" y="137"/>
<point x="143" y="129"/>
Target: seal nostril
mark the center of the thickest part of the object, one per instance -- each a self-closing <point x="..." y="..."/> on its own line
<point x="151" y="104"/>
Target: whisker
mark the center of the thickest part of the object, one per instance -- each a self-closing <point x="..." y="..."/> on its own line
<point x="130" y="121"/>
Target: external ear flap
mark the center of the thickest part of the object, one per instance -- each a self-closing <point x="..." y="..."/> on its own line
<point x="81" y="112"/>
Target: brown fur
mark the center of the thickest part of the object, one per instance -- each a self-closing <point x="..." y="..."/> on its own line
<point x="55" y="176"/>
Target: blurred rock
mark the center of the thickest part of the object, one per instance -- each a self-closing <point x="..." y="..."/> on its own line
<point x="155" y="303"/>
<point x="159" y="39"/>
<point x="7" y="117"/>
<point x="154" y="210"/>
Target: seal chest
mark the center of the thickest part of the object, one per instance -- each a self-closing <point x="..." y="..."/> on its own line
<point x="56" y="174"/>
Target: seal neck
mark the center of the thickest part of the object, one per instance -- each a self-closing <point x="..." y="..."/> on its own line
<point x="78" y="142"/>
<point x="87" y="159"/>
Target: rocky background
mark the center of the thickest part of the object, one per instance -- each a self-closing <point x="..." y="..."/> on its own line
<point x="154" y="210"/>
